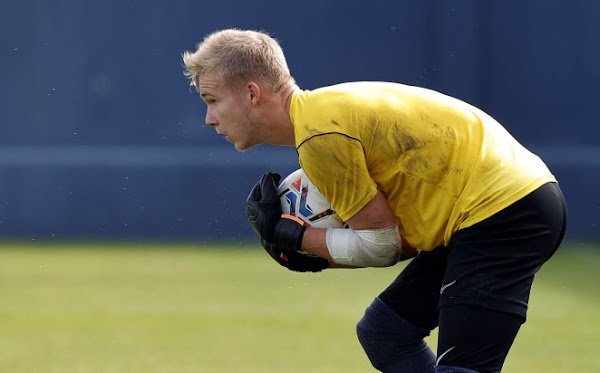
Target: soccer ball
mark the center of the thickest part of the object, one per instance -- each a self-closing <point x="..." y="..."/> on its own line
<point x="301" y="198"/>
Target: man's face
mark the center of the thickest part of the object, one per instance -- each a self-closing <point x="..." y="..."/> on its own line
<point x="229" y="111"/>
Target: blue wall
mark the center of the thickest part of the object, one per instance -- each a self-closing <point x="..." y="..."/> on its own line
<point x="100" y="136"/>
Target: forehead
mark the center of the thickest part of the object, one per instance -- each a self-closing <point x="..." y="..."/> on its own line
<point x="210" y="83"/>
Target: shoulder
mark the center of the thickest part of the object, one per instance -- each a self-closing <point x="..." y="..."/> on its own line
<point x="332" y="109"/>
<point x="345" y="93"/>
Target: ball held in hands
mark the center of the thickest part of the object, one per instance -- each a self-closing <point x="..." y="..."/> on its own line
<point x="263" y="209"/>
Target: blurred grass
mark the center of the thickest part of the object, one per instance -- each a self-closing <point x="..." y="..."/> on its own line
<point x="151" y="308"/>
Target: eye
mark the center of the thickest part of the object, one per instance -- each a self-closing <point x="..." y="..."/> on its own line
<point x="208" y="99"/>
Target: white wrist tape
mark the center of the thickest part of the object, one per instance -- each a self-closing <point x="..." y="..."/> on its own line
<point x="365" y="247"/>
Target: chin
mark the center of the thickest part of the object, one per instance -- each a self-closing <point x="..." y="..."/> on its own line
<point x="245" y="146"/>
<point x="241" y="147"/>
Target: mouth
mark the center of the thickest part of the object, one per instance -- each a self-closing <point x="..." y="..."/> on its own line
<point x="223" y="134"/>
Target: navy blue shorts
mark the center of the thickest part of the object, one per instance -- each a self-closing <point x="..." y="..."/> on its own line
<point x="490" y="264"/>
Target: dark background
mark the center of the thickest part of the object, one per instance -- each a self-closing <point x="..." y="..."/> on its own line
<point x="101" y="138"/>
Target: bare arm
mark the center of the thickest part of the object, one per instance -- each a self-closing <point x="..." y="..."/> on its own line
<point x="377" y="214"/>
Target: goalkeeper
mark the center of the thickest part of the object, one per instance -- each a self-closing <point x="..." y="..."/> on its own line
<point x="407" y="168"/>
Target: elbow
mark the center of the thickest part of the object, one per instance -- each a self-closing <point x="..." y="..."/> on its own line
<point x="387" y="260"/>
<point x="364" y="248"/>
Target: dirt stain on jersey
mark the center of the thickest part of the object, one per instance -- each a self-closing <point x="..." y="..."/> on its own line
<point x="406" y="142"/>
<point x="414" y="161"/>
<point x="444" y="133"/>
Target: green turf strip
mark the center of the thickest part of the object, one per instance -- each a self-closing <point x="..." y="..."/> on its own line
<point x="187" y="308"/>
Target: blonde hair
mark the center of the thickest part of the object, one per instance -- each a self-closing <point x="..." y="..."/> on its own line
<point x="238" y="55"/>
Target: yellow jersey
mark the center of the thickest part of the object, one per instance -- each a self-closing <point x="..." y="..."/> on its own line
<point x="442" y="164"/>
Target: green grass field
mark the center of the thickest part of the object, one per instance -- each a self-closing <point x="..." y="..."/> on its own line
<point x="94" y="308"/>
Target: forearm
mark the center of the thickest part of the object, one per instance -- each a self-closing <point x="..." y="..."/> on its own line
<point x="345" y="248"/>
<point x="314" y="242"/>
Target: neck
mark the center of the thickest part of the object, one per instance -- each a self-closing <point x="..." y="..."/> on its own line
<point x="285" y="126"/>
<point x="286" y="94"/>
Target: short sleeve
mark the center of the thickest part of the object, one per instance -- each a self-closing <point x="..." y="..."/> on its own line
<point x="336" y="164"/>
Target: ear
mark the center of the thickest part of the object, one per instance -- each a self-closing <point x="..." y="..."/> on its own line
<point x="253" y="93"/>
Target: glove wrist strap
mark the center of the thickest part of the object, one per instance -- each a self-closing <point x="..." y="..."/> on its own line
<point x="289" y="233"/>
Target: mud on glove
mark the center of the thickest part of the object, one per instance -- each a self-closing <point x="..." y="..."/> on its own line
<point x="263" y="209"/>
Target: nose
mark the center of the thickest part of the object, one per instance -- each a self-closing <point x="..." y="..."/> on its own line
<point x="210" y="119"/>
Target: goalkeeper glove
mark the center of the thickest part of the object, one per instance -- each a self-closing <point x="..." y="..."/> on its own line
<point x="294" y="260"/>
<point x="263" y="209"/>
